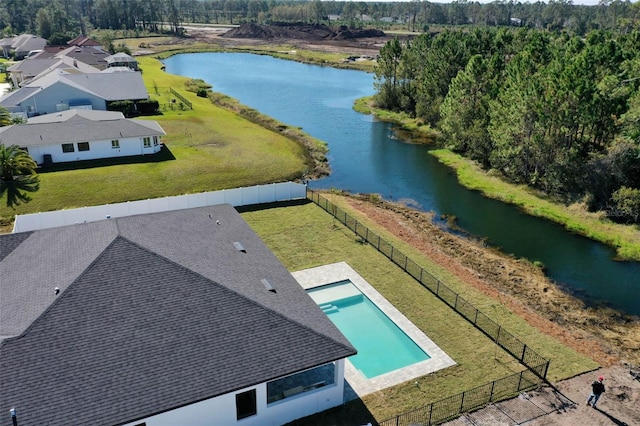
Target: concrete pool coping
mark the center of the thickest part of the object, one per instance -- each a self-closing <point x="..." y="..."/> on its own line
<point x="329" y="274"/>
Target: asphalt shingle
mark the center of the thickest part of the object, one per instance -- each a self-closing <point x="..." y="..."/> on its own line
<point x="162" y="310"/>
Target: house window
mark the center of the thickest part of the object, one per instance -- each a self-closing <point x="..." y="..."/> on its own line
<point x="115" y="143"/>
<point x="246" y="404"/>
<point x="299" y="383"/>
<point x="67" y="147"/>
<point x="155" y="141"/>
<point x="83" y="146"/>
<point x="146" y="141"/>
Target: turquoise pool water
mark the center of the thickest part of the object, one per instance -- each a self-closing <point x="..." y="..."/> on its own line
<point x="382" y="346"/>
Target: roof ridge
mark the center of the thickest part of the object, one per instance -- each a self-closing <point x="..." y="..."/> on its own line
<point x="62" y="293"/>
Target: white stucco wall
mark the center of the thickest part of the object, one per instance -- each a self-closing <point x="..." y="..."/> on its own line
<point x="221" y="411"/>
<point x="97" y="149"/>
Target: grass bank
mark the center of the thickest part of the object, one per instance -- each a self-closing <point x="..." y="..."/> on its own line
<point x="575" y="218"/>
<point x="304" y="236"/>
<point x="213" y="148"/>
<point x="624" y="238"/>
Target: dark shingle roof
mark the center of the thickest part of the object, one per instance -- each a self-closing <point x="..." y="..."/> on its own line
<point x="10" y="242"/>
<point x="166" y="311"/>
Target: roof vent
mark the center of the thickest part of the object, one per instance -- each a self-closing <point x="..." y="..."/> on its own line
<point x="239" y="247"/>
<point x="56" y="291"/>
<point x="268" y="285"/>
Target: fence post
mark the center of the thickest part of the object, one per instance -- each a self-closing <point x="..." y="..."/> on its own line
<point x="475" y="319"/>
<point x="462" y="402"/>
<point x="493" y="384"/>
<point x="524" y="350"/>
<point x="520" y="380"/>
<point x="498" y="335"/>
<point x="455" y="304"/>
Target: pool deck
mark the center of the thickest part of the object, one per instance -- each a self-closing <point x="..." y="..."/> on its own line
<point x="328" y="274"/>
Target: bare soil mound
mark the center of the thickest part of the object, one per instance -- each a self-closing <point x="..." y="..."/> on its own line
<point x="299" y="31"/>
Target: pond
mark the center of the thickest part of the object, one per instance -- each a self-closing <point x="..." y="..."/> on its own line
<point x="366" y="157"/>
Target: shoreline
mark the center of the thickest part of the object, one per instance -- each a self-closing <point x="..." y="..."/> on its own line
<point x="623" y="238"/>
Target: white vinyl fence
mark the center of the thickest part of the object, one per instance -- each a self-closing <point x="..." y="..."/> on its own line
<point x="260" y="194"/>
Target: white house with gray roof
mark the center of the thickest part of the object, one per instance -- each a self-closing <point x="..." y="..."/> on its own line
<point x="176" y="318"/>
<point x="60" y="89"/>
<point x="75" y="135"/>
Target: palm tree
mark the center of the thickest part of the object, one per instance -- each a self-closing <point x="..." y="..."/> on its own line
<point x="17" y="175"/>
<point x="5" y="117"/>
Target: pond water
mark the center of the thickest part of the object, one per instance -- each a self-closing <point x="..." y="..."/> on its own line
<point x="366" y="157"/>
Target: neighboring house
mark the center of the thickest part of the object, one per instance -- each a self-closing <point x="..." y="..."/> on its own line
<point x="90" y="55"/>
<point x="75" y="135"/>
<point x="59" y="90"/>
<point x="176" y="318"/>
<point x="21" y="45"/>
<point x="84" y="41"/>
<point x="28" y="69"/>
<point x="121" y="59"/>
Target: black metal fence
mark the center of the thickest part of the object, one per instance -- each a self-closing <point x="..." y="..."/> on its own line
<point x="451" y="407"/>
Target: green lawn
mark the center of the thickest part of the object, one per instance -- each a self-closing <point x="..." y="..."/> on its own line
<point x="305" y="236"/>
<point x="213" y="149"/>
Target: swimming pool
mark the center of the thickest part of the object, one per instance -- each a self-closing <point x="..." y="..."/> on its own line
<point x="359" y="385"/>
<point x="382" y="346"/>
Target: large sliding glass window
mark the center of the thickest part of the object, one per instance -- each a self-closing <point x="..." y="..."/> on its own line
<point x="298" y="383"/>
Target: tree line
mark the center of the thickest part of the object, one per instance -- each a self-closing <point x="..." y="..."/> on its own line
<point x="68" y="18"/>
<point x="557" y="112"/>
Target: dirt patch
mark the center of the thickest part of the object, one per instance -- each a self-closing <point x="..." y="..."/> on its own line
<point x="309" y="32"/>
<point x="303" y="37"/>
<point x="619" y="405"/>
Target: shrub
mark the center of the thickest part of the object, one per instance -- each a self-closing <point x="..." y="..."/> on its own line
<point x="125" y="107"/>
<point x="148" y="106"/>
